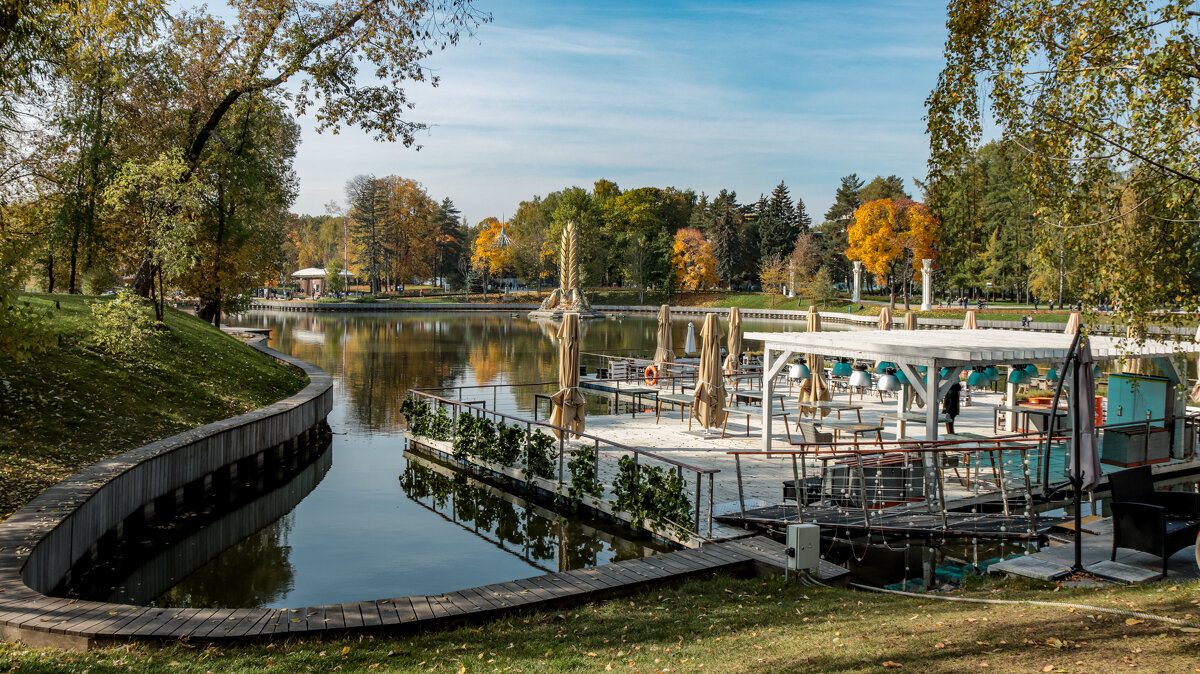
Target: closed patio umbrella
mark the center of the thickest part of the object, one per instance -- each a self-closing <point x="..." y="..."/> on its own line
<point x="815" y="388"/>
<point x="1072" y="324"/>
<point x="885" y="318"/>
<point x="689" y="342"/>
<point x="1083" y="402"/>
<point x="1132" y="365"/>
<point x="733" y="361"/>
<point x="969" y="323"/>
<point x="665" y="353"/>
<point x="709" y="399"/>
<point x="910" y="321"/>
<point x="569" y="401"/>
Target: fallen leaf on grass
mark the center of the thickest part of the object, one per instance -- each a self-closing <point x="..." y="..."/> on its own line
<point x="889" y="664"/>
<point x="1133" y="621"/>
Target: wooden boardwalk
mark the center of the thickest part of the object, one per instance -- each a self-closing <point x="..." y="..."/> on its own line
<point x="41" y="620"/>
<point x="987" y="525"/>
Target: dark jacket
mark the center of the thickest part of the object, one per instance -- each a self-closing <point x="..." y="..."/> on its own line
<point x="950" y="402"/>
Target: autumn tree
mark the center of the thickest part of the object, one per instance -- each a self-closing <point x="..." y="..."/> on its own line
<point x="692" y="258"/>
<point x="411" y="229"/>
<point x="490" y="255"/>
<point x="773" y="274"/>
<point x="887" y="235"/>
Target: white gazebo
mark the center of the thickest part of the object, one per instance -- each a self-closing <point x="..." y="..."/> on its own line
<point x="312" y="279"/>
<point x="954" y="350"/>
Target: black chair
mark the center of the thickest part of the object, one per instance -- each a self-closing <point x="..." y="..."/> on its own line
<point x="1158" y="522"/>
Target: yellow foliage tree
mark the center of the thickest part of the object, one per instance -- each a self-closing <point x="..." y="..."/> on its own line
<point x="487" y="254"/>
<point x="888" y="234"/>
<point x="694" y="262"/>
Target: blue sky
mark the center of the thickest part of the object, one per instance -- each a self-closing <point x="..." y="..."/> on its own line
<point x="735" y="95"/>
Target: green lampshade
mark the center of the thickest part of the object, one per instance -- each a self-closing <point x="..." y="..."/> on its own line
<point x="883" y="367"/>
<point x="1096" y="371"/>
<point x="1018" y="376"/>
<point x="922" y="369"/>
<point x="1032" y="370"/>
<point x="977" y="378"/>
<point x="842" y="369"/>
<point x="1051" y="374"/>
<point x="992" y="373"/>
<point x="901" y="377"/>
<point x="945" y="373"/>
<point x="804" y="372"/>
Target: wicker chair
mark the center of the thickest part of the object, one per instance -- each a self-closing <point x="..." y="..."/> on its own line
<point x="1158" y="522"/>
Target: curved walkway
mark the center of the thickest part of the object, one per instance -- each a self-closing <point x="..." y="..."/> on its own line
<point x="67" y="524"/>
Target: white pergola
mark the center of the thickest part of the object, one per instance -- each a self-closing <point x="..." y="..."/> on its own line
<point x="953" y="349"/>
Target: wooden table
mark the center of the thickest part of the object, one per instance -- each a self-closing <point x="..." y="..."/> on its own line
<point x="915" y="417"/>
<point x="755" y="395"/>
<point x="680" y="399"/>
<point x="831" y="406"/>
<point x="857" y="428"/>
<point x="753" y="411"/>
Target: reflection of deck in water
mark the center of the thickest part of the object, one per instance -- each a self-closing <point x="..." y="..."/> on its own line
<point x="233" y="515"/>
<point x="576" y="544"/>
<point x="991" y="525"/>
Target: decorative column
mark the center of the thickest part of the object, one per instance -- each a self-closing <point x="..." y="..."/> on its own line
<point x="857" y="293"/>
<point x="926" y="285"/>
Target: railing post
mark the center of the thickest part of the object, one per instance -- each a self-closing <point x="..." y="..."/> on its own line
<point x="710" y="504"/>
<point x="798" y="487"/>
<point x="561" y="443"/>
<point x="737" y="462"/>
<point x="699" y="477"/>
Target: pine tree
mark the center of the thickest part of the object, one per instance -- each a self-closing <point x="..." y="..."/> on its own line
<point x="368" y="218"/>
<point x="726" y="248"/>
<point x="451" y="240"/>
<point x="846" y="200"/>
<point x="779" y="226"/>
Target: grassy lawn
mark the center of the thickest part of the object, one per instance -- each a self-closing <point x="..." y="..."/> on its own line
<point x="71" y="406"/>
<point x="731" y="625"/>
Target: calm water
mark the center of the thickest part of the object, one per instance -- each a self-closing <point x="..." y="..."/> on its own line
<point x="381" y="524"/>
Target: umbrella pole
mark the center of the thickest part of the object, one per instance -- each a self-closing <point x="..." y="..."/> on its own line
<point x="1077" y="474"/>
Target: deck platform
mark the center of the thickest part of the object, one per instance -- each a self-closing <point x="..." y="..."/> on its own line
<point x="990" y="525"/>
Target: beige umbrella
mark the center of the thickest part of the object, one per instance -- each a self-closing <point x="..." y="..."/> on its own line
<point x="815" y="387"/>
<point x="1132" y="365"/>
<point x="666" y="349"/>
<point x="1072" y="324"/>
<point x="733" y="361"/>
<point x="910" y="321"/>
<point x="885" y="318"/>
<point x="969" y="323"/>
<point x="1196" y="390"/>
<point x="569" y="401"/>
<point x="709" y="399"/>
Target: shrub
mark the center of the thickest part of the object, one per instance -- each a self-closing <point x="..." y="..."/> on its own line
<point x="538" y="446"/>
<point x="98" y="279"/>
<point x="122" y="327"/>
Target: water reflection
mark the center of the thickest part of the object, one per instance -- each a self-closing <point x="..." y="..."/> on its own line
<point x="543" y="538"/>
<point x="918" y="563"/>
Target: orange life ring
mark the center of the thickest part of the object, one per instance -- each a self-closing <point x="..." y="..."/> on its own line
<point x="650" y="375"/>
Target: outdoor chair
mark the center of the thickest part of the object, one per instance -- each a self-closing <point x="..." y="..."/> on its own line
<point x="811" y="437"/>
<point x="1158" y="522"/>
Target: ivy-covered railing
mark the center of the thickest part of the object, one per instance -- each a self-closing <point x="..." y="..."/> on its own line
<point x="644" y="485"/>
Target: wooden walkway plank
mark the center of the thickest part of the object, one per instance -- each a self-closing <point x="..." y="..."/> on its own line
<point x="251" y="624"/>
<point x="370" y="613"/>
<point x="197" y="621"/>
<point x="89" y="612"/>
<point x="554" y="582"/>
<point x="387" y="611"/>
<point x="213" y="622"/>
<point x="352" y="616"/>
<point x="482" y="599"/>
<point x="229" y="626"/>
<point x="544" y="592"/>
<point x="443" y="607"/>
<point x="164" y="625"/>
<point x="115" y="621"/>
<point x="421" y="608"/>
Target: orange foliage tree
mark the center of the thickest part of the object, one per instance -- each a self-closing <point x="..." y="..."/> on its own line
<point x="694" y="262"/>
<point x="888" y="235"/>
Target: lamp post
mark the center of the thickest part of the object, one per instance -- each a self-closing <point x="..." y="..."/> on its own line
<point x="926" y="284"/>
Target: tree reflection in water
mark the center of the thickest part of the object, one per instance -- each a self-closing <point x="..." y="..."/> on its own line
<point x="543" y="538"/>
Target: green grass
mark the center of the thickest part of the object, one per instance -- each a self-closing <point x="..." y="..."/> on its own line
<point x="728" y="625"/>
<point x="71" y="406"/>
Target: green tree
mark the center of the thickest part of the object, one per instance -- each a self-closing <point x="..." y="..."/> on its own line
<point x="1085" y="88"/>
<point x="779" y="225"/>
<point x="368" y="226"/>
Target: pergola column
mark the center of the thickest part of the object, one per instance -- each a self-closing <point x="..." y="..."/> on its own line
<point x="1010" y="401"/>
<point x="926" y="285"/>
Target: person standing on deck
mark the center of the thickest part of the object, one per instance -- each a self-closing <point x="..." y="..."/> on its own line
<point x="950" y="405"/>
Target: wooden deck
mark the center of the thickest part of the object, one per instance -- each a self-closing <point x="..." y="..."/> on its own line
<point x="40" y="620"/>
<point x="987" y="525"/>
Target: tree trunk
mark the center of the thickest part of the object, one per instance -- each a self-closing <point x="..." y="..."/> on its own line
<point x="50" y="272"/>
<point x="143" y="282"/>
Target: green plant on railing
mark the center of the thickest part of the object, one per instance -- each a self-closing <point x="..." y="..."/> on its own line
<point x="440" y="425"/>
<point x="416" y="415"/>
<point x="508" y="444"/>
<point x="538" y="447"/>
<point x="583" y="475"/>
<point x="626" y="487"/>
<point x="652" y="493"/>
<point x="464" y="437"/>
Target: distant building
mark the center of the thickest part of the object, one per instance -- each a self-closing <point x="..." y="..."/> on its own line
<point x="312" y="280"/>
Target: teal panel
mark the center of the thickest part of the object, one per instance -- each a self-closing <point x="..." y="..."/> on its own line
<point x="1131" y="397"/>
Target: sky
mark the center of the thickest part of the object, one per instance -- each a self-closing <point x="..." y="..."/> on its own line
<point x="701" y="95"/>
